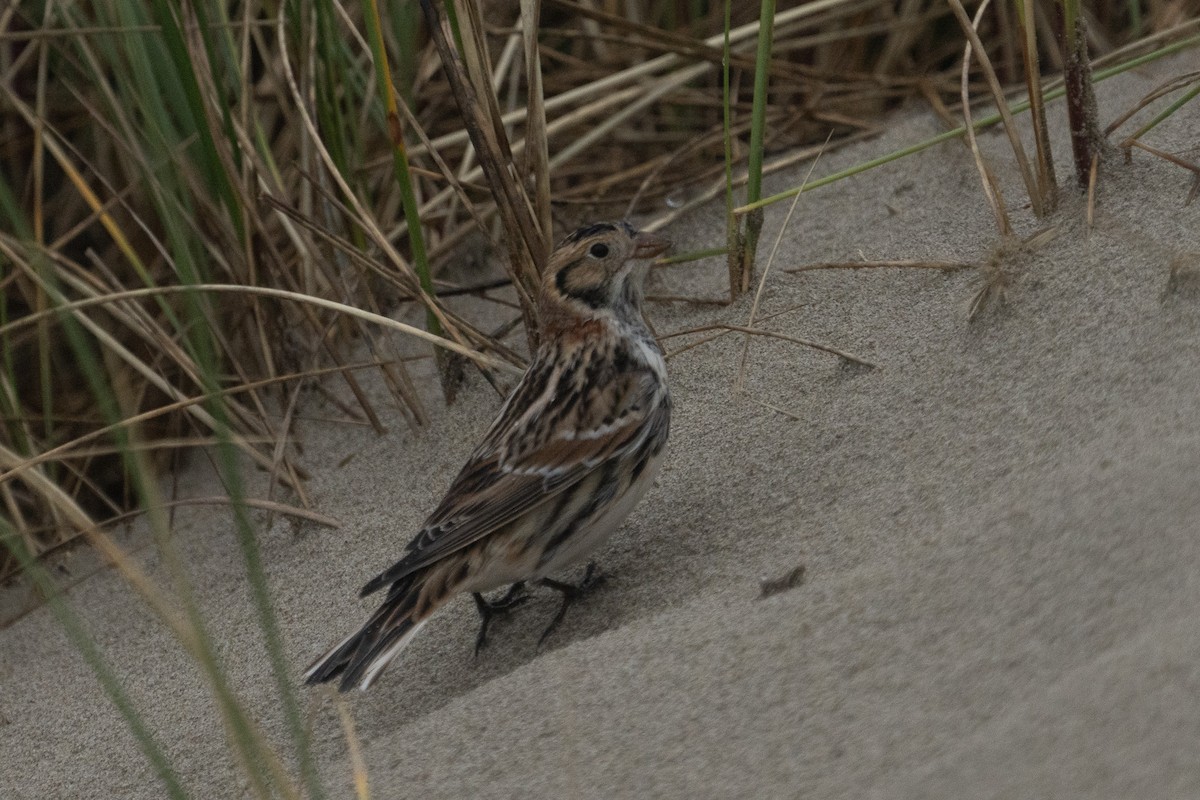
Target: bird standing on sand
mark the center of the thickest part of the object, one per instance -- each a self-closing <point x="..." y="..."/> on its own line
<point x="574" y="448"/>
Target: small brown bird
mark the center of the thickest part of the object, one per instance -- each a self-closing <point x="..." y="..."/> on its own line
<point x="574" y="448"/>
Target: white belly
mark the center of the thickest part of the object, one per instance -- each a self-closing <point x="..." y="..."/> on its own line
<point x="590" y="536"/>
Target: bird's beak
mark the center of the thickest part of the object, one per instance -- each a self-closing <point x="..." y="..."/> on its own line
<point x="649" y="245"/>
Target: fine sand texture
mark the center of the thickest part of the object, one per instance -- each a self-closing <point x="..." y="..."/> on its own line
<point x="999" y="527"/>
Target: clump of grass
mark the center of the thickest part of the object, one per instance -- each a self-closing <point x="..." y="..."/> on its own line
<point x="275" y="156"/>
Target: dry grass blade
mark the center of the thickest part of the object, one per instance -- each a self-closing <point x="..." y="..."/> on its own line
<point x="1042" y="203"/>
<point x="1173" y="85"/>
<point x="260" y="504"/>
<point x="537" y="149"/>
<point x="358" y="764"/>
<point x="182" y="623"/>
<point x="777" y="409"/>
<point x="264" y="291"/>
<point x="1091" y="194"/>
<point x="945" y="266"/>
<point x="718" y="185"/>
<point x="991" y="188"/>
<point x="1174" y="159"/>
<point x="1047" y="182"/>
<point x="720" y="326"/>
<point x="524" y="241"/>
<point x="1160" y="117"/>
<point x="762" y="282"/>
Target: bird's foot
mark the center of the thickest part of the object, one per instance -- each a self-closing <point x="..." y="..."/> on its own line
<point x="488" y="609"/>
<point x="570" y="593"/>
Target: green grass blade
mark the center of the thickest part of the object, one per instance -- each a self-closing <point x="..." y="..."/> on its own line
<point x="1162" y="115"/>
<point x="733" y="230"/>
<point x="268" y="621"/>
<point x="165" y="16"/>
<point x="81" y="641"/>
<point x="758" y="118"/>
<point x="249" y="747"/>
<point x="758" y="129"/>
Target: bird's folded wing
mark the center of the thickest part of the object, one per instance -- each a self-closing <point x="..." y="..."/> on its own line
<point x="498" y="485"/>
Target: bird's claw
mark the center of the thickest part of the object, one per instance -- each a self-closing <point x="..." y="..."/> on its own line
<point x="488" y="609"/>
<point x="570" y="593"/>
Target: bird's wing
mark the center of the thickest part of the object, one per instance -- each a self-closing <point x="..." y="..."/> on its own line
<point x="542" y="443"/>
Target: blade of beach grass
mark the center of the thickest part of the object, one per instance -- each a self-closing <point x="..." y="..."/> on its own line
<point x="1042" y="202"/>
<point x="358" y="765"/>
<point x="1176" y="160"/>
<point x="256" y="756"/>
<point x="20" y="465"/>
<point x="254" y="749"/>
<point x="537" y="150"/>
<point x="329" y="68"/>
<point x="368" y="316"/>
<point x="740" y="383"/>
<point x="79" y="638"/>
<point x="733" y="226"/>
<point x="246" y="742"/>
<point x="522" y="237"/>
<point x="1173" y="85"/>
<point x="181" y="67"/>
<point x="264" y="606"/>
<point x="1166" y="113"/>
<point x="720" y="326"/>
<point x="991" y="188"/>
<point x="744" y="273"/>
<point x="718" y="187"/>
<point x="945" y="266"/>
<point x="1027" y="24"/>
<point x="450" y="377"/>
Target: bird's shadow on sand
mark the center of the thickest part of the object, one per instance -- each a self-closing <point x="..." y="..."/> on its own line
<point x="441" y="665"/>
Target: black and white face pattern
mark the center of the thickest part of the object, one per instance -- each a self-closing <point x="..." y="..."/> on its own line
<point x="592" y="266"/>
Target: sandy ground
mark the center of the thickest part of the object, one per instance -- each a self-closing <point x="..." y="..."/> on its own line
<point x="1000" y="529"/>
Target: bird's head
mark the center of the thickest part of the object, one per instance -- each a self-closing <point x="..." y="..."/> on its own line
<point x="592" y="271"/>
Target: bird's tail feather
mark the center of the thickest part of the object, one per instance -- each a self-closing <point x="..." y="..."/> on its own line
<point x="359" y="658"/>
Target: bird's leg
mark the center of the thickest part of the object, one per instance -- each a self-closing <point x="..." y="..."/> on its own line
<point x="570" y="593"/>
<point x="491" y="608"/>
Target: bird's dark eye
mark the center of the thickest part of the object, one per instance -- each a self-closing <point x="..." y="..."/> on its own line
<point x="598" y="250"/>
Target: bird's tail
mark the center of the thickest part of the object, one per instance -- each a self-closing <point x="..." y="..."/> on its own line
<point x="359" y="658"/>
